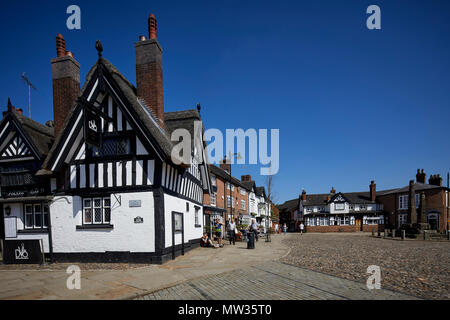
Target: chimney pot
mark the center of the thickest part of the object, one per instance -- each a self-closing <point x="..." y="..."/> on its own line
<point x="303" y="195"/>
<point x="60" y="46"/>
<point x="142" y="38"/>
<point x="152" y="27"/>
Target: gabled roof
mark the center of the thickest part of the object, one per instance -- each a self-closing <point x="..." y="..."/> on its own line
<point x="289" y="205"/>
<point x="249" y="185"/>
<point x="215" y="170"/>
<point x="41" y="136"/>
<point x="184" y="119"/>
<point x="261" y="192"/>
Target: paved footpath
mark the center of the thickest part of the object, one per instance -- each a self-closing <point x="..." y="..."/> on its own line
<point x="272" y="281"/>
<point x="232" y="272"/>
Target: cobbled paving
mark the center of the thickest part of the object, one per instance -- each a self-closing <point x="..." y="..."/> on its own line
<point x="272" y="281"/>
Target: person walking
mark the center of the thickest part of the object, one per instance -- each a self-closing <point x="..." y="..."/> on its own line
<point x="284" y="228"/>
<point x="302" y="227"/>
<point x="232" y="231"/>
<point x="254" y="228"/>
<point x="218" y="228"/>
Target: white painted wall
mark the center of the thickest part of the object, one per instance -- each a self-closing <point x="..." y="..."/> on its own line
<point x="17" y="211"/>
<point x="66" y="214"/>
<point x="191" y="232"/>
<point x="333" y="210"/>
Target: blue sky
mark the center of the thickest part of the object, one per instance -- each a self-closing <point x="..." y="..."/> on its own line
<point x="352" y="104"/>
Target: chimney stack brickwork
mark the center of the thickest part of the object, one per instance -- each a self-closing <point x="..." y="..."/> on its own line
<point x="246" y="178"/>
<point x="435" y="179"/>
<point x="303" y="195"/>
<point x="149" y="75"/>
<point x="66" y="83"/>
<point x="373" y="191"/>
<point x="421" y="176"/>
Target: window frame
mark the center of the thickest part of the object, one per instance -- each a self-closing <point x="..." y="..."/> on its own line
<point x="44" y="215"/>
<point x="92" y="208"/>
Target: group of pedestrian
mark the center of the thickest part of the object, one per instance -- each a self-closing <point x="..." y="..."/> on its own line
<point x="218" y="226"/>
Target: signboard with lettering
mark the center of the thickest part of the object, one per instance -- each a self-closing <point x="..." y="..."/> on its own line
<point x="92" y="128"/>
<point x="134" y="203"/>
<point x="22" y="252"/>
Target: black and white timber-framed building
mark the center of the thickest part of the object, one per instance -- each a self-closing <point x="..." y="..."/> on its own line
<point x="115" y="190"/>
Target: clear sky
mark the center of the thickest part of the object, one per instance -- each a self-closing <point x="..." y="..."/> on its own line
<point x="352" y="104"/>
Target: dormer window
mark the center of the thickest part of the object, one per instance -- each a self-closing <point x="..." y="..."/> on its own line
<point x="339" y="206"/>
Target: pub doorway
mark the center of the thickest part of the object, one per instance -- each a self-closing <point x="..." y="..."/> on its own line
<point x="358" y="224"/>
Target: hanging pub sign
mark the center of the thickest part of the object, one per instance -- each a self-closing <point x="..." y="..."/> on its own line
<point x="22" y="252"/>
<point x="92" y="127"/>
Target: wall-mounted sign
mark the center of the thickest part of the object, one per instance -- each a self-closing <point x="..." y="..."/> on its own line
<point x="138" y="220"/>
<point x="10" y="227"/>
<point x="92" y="125"/>
<point x="22" y="252"/>
<point x="134" y="203"/>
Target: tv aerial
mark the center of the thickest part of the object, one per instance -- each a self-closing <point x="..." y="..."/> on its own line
<point x="30" y="85"/>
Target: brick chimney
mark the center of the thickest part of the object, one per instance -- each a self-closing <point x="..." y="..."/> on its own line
<point x="435" y="179"/>
<point x="421" y="176"/>
<point x="303" y="195"/>
<point x="332" y="191"/>
<point x="225" y="165"/>
<point x="246" y="178"/>
<point x="66" y="82"/>
<point x="373" y="191"/>
<point x="412" y="212"/>
<point x="149" y="75"/>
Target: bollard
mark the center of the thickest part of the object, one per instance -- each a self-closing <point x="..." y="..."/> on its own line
<point x="424" y="234"/>
<point x="393" y="233"/>
<point x="379" y="233"/>
<point x="373" y="233"/>
<point x="448" y="234"/>
<point x="403" y="234"/>
<point x="385" y="233"/>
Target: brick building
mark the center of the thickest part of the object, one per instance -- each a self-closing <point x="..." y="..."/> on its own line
<point x="232" y="197"/>
<point x="430" y="204"/>
<point x="418" y="203"/>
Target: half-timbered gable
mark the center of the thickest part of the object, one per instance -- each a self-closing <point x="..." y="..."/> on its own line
<point x="24" y="143"/>
<point x="131" y="143"/>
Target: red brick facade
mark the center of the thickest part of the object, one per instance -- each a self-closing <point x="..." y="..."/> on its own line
<point x="354" y="228"/>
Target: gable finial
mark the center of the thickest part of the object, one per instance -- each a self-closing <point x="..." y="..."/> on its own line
<point x="199" y="107"/>
<point x="99" y="47"/>
<point x="10" y="106"/>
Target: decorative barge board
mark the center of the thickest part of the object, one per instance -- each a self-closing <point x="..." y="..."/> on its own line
<point x="117" y="185"/>
<point x="24" y="198"/>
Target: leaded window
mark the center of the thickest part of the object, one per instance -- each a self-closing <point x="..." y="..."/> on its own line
<point x="97" y="210"/>
<point x="113" y="146"/>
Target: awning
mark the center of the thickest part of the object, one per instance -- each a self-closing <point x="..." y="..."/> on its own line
<point x="25" y="199"/>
